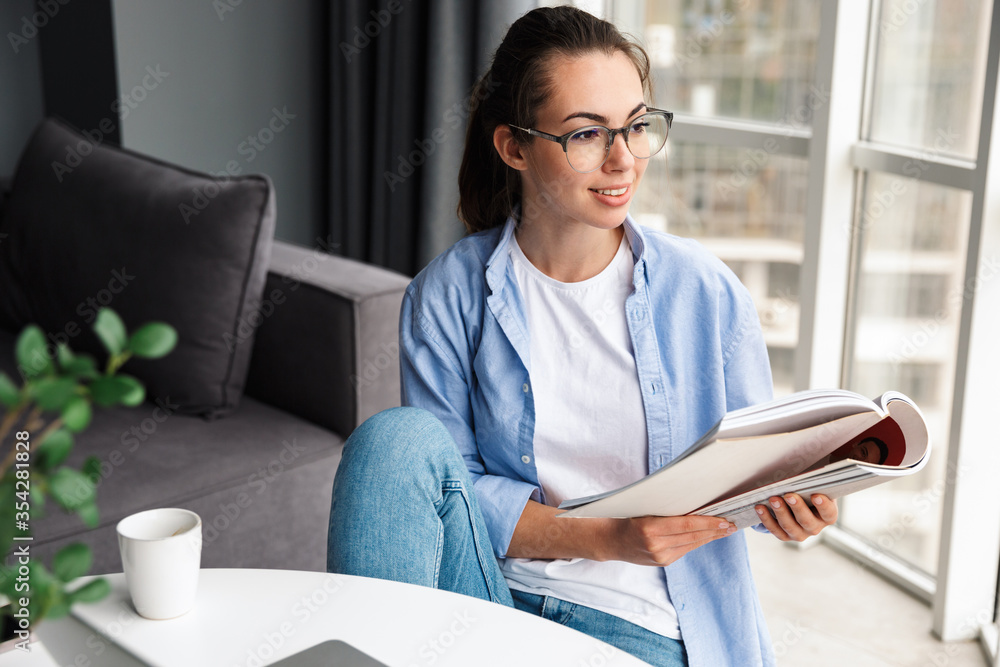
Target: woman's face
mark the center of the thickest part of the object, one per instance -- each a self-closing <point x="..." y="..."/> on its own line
<point x="867" y="451"/>
<point x="592" y="89"/>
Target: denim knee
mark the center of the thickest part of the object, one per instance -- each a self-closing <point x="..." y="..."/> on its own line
<point x="402" y="441"/>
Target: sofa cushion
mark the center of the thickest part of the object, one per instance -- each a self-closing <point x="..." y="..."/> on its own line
<point x="94" y="225"/>
<point x="260" y="479"/>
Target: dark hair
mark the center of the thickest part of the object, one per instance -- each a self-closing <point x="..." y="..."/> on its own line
<point x="518" y="83"/>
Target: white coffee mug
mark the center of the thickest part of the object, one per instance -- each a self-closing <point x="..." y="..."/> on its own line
<point x="161" y="556"/>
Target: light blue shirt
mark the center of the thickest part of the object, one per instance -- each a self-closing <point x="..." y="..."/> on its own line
<point x="699" y="351"/>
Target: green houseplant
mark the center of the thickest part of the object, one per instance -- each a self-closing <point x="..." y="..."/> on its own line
<point x="38" y="420"/>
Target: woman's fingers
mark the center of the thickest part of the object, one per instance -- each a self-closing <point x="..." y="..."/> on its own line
<point x="791" y="518"/>
<point x="768" y="518"/>
<point x="826" y="508"/>
<point x="662" y="540"/>
<point x="682" y="530"/>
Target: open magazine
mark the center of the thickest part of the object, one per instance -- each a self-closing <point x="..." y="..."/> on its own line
<point x="828" y="441"/>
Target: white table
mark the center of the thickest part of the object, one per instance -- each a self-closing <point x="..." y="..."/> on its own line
<point x="254" y="617"/>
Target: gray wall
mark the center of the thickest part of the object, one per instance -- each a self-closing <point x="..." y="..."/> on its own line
<point x="20" y="84"/>
<point x="218" y="81"/>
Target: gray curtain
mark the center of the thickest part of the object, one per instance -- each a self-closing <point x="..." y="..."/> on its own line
<point x="401" y="72"/>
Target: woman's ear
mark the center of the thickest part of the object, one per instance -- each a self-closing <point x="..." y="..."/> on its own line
<point x="508" y="148"/>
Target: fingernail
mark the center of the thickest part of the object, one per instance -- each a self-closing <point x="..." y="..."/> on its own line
<point x="818" y="500"/>
<point x="775" y="504"/>
<point x="791" y="500"/>
<point x="760" y="510"/>
<point x="732" y="529"/>
<point x="723" y="525"/>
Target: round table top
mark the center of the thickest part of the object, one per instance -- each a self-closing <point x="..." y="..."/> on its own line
<point x="252" y="618"/>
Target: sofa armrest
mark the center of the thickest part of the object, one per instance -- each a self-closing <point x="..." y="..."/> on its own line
<point x="326" y="346"/>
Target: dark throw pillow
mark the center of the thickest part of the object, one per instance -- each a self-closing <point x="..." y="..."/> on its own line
<point x="95" y="225"/>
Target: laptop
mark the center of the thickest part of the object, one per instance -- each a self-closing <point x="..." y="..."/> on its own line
<point x="331" y="653"/>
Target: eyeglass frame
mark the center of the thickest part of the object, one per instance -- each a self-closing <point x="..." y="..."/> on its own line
<point x="564" y="139"/>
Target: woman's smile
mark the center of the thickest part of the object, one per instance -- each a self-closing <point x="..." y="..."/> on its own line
<point x="614" y="196"/>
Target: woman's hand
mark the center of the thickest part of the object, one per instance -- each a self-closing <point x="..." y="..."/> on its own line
<point x="660" y="540"/>
<point x="791" y="519"/>
<point x="648" y="540"/>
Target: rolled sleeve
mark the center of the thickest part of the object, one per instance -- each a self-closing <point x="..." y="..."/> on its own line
<point x="502" y="501"/>
<point x="434" y="377"/>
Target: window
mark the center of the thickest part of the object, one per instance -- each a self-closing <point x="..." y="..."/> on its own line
<point x="866" y="226"/>
<point x="910" y="250"/>
<point x="713" y="59"/>
<point x="716" y="58"/>
<point x="928" y="80"/>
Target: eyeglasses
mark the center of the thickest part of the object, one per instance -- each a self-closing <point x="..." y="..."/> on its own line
<point x="587" y="148"/>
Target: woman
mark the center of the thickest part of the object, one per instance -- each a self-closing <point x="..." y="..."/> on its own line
<point x="558" y="351"/>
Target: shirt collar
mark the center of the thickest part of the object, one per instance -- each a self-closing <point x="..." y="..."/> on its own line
<point x="637" y="240"/>
<point x="496" y="265"/>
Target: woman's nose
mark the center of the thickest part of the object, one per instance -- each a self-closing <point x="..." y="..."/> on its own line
<point x="620" y="158"/>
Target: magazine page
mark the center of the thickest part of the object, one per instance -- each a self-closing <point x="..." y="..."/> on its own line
<point x="798" y="411"/>
<point x="781" y="415"/>
<point x="900" y="443"/>
<point x="720" y="468"/>
<point x="914" y="429"/>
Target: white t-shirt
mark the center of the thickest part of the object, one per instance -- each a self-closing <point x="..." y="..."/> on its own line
<point x="590" y="431"/>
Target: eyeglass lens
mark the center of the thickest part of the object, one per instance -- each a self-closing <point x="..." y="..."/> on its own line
<point x="588" y="148"/>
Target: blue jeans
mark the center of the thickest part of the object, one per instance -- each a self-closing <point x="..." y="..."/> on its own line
<point x="403" y="509"/>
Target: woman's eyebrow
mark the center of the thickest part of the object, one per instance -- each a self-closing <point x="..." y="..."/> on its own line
<point x="598" y="118"/>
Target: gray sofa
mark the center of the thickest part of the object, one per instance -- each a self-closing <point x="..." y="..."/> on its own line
<point x="281" y="354"/>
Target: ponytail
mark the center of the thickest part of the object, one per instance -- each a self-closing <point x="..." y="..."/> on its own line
<point x="488" y="188"/>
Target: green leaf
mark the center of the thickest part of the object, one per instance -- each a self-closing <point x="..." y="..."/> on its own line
<point x="59" y="604"/>
<point x="153" y="340"/>
<point x="89" y="515"/>
<point x="82" y="366"/>
<point x="46" y="593"/>
<point x="76" y="414"/>
<point x="37" y="501"/>
<point x="106" y="391"/>
<point x="63" y="354"/>
<point x="92" y="591"/>
<point x="111" y="330"/>
<point x="53" y="393"/>
<point x="92" y="468"/>
<point x="32" y="353"/>
<point x="10" y="395"/>
<point x="54" y="450"/>
<point x="71" y="489"/>
<point x="72" y="561"/>
<point x="136" y="393"/>
<point x="117" y="389"/>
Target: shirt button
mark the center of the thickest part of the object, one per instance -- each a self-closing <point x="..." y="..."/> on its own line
<point x="526" y="458"/>
<point x="525" y="387"/>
